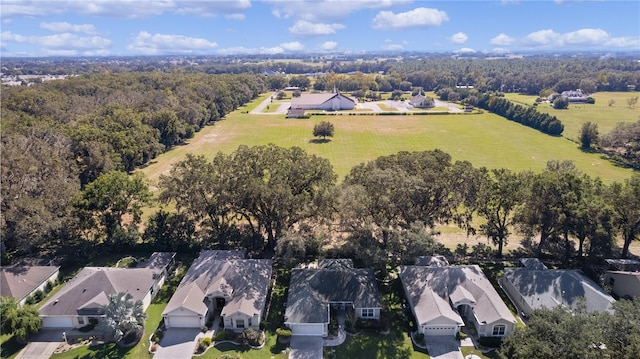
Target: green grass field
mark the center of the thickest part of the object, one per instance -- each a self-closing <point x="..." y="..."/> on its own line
<point x="601" y="113"/>
<point x="483" y="139"/>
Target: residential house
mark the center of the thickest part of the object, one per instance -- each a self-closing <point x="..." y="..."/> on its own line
<point x="435" y="261"/>
<point x="442" y="297"/>
<point x="333" y="285"/>
<point x="532" y="264"/>
<point x="531" y="289"/>
<point x="623" y="284"/>
<point x="220" y="283"/>
<point x="575" y="96"/>
<point x="21" y="282"/>
<point x="83" y="296"/>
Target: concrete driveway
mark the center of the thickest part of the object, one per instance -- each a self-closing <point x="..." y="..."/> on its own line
<point x="177" y="343"/>
<point x="443" y="347"/>
<point x="305" y="347"/>
<point x="42" y="345"/>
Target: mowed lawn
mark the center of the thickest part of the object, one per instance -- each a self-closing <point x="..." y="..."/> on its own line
<point x="601" y="113"/>
<point x="483" y="139"/>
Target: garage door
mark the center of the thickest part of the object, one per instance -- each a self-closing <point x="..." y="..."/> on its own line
<point x="307" y="329"/>
<point x="57" y="322"/>
<point x="443" y="330"/>
<point x="183" y="322"/>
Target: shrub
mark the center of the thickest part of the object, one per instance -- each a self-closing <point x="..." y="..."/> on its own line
<point x="284" y="333"/>
<point x="591" y="100"/>
<point x="461" y="336"/>
<point x="250" y="337"/>
<point x="230" y="356"/>
<point x="157" y="336"/>
<point x="206" y="341"/>
<point x="220" y="336"/>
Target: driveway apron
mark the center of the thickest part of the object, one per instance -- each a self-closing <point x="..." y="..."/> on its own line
<point x="305" y="347"/>
<point x="443" y="347"/>
<point x="42" y="345"/>
<point x="177" y="343"/>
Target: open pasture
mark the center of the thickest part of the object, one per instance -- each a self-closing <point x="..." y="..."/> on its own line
<point x="601" y="113"/>
<point x="483" y="139"/>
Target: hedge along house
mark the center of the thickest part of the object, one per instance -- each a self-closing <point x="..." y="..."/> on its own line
<point x="333" y="285"/>
<point x="220" y="283"/>
<point x="440" y="297"/>
<point x="21" y="282"/>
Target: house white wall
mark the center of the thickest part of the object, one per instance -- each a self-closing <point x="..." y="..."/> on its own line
<point x="336" y="103"/>
<point x="183" y="318"/>
<point x="487" y="329"/>
<point x="516" y="298"/>
<point x="622" y="284"/>
<point x="231" y="322"/>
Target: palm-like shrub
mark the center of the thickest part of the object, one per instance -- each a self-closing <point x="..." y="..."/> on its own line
<point x="123" y="316"/>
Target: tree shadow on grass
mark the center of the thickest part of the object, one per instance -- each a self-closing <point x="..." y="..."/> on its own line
<point x="320" y="140"/>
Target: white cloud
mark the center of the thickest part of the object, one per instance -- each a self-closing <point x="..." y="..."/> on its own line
<point x="147" y="44"/>
<point x="628" y="41"/>
<point x="131" y="9"/>
<point x="459" y="38"/>
<point x="465" y="50"/>
<point x="292" y="46"/>
<point x="67" y="27"/>
<point x="282" y="48"/>
<point x="65" y="41"/>
<point x="237" y="16"/>
<point x="304" y="28"/>
<point x="328" y="46"/>
<point x="585" y="36"/>
<point x="502" y="40"/>
<point x="419" y="17"/>
<point x="541" y="37"/>
<point x="578" y="39"/>
<point x="500" y="50"/>
<point x="326" y="10"/>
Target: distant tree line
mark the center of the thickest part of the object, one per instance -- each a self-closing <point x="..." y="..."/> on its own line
<point x="527" y="116"/>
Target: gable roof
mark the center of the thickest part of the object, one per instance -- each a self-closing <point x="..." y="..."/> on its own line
<point x="158" y="261"/>
<point x="452" y="284"/>
<point x="312" y="290"/>
<point x="20" y="281"/>
<point x="532" y="263"/>
<point x="315" y="99"/>
<point x="94" y="284"/>
<point x="436" y="261"/>
<point x="242" y="282"/>
<point x="553" y="287"/>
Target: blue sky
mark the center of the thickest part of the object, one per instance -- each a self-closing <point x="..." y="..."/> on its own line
<point x="168" y="27"/>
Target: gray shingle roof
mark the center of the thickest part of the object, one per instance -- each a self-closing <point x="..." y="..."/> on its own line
<point x="428" y="288"/>
<point x="532" y="263"/>
<point x="552" y="287"/>
<point x="92" y="281"/>
<point x="314" y="99"/>
<point x="311" y="291"/>
<point x="245" y="282"/>
<point x="19" y="281"/>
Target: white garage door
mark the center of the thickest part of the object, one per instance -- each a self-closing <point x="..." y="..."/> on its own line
<point x="183" y="322"/>
<point x="307" y="329"/>
<point x="443" y="330"/>
<point x="57" y="322"/>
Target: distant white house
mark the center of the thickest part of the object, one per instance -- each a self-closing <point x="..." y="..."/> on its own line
<point x="421" y="101"/>
<point x="334" y="101"/>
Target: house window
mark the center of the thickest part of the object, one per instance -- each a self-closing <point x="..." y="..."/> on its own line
<point x="367" y="313"/>
<point x="81" y="320"/>
<point x="499" y="330"/>
<point x="239" y="323"/>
